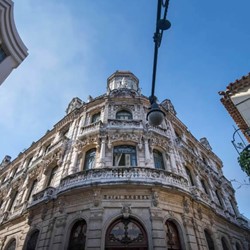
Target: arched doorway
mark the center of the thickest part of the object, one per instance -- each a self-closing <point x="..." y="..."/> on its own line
<point x="31" y="244"/>
<point x="209" y="240"/>
<point x="11" y="245"/>
<point x="78" y="236"/>
<point x="173" y="237"/>
<point x="126" y="234"/>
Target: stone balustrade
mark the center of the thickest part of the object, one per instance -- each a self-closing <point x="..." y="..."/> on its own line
<point x="158" y="130"/>
<point x="44" y="195"/>
<point x="135" y="175"/>
<point x="91" y="128"/>
<point x="115" y="123"/>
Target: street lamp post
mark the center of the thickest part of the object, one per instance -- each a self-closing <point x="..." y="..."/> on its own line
<point x="155" y="115"/>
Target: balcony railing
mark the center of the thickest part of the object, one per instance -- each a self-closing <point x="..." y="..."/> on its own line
<point x="44" y="195"/>
<point x="124" y="175"/>
<point x="158" y="130"/>
<point x="91" y="128"/>
<point x="115" y="123"/>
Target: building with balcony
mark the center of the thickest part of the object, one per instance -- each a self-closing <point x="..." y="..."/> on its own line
<point x="12" y="49"/>
<point x="103" y="178"/>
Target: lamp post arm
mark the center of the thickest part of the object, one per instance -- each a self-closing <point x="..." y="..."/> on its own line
<point x="156" y="41"/>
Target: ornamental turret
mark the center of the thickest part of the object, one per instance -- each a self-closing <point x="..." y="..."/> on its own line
<point x="122" y="80"/>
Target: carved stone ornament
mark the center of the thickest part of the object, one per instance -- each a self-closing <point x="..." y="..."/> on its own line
<point x="124" y="106"/>
<point x="160" y="142"/>
<point x="44" y="212"/>
<point x="86" y="141"/>
<point x="97" y="198"/>
<point x="51" y="224"/>
<point x="199" y="211"/>
<point x="126" y="211"/>
<point x="61" y="205"/>
<point x="186" y="205"/>
<point x="61" y="221"/>
<point x="155" y="198"/>
<point x="123" y="137"/>
<point x="36" y="173"/>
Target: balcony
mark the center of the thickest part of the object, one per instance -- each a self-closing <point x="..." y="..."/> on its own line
<point x="125" y="124"/>
<point x="158" y="130"/>
<point x="91" y="128"/>
<point x="123" y="175"/>
<point x="45" y="195"/>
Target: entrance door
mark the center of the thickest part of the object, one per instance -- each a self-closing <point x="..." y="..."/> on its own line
<point x="126" y="234"/>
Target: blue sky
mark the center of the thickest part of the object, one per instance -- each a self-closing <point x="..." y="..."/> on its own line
<point x="74" y="46"/>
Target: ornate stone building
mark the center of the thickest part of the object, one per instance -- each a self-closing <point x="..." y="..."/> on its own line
<point x="12" y="49"/>
<point x="103" y="178"/>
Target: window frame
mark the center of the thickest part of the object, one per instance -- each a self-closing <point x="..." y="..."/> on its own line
<point x="96" y="117"/>
<point x="190" y="176"/>
<point x="129" y="158"/>
<point x="118" y="115"/>
<point x="160" y="157"/>
<point x="87" y="157"/>
<point x="52" y="175"/>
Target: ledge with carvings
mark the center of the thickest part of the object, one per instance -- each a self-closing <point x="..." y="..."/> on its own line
<point x="112" y="176"/>
<point x="123" y="175"/>
<point x="124" y="124"/>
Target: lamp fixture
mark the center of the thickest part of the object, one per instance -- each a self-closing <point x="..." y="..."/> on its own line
<point x="155" y="116"/>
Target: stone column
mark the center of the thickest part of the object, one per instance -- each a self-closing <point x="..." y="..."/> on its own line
<point x="158" y="232"/>
<point x="172" y="160"/>
<point x="147" y="153"/>
<point x="74" y="160"/>
<point x="101" y="162"/>
<point x="95" y="229"/>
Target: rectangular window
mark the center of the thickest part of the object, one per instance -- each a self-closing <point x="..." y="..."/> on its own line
<point x="124" y="156"/>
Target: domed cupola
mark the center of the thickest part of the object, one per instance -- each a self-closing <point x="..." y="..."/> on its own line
<point x="122" y="81"/>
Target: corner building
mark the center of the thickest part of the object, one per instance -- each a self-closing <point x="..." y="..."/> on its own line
<point x="103" y="178"/>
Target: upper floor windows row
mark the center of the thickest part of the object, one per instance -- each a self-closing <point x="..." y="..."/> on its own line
<point x="123" y="156"/>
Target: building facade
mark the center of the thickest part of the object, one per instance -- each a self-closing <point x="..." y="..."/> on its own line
<point x="12" y="49"/>
<point x="103" y="178"/>
<point x="236" y="100"/>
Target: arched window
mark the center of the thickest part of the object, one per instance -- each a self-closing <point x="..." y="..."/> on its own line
<point x="218" y="197"/>
<point x="158" y="159"/>
<point x="173" y="238"/>
<point x="224" y="244"/>
<point x="209" y="240"/>
<point x="11" y="245"/>
<point x="96" y="117"/>
<point x="78" y="236"/>
<point x="126" y="234"/>
<point x="204" y="186"/>
<point x="13" y="200"/>
<point x="32" y="190"/>
<point x="189" y="175"/>
<point x="233" y="206"/>
<point x="124" y="115"/>
<point x="52" y="177"/>
<point x="31" y="244"/>
<point x="89" y="162"/>
<point x="124" y="156"/>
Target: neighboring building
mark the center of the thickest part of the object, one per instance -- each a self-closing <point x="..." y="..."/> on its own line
<point x="102" y="178"/>
<point x="12" y="49"/>
<point x="236" y="99"/>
